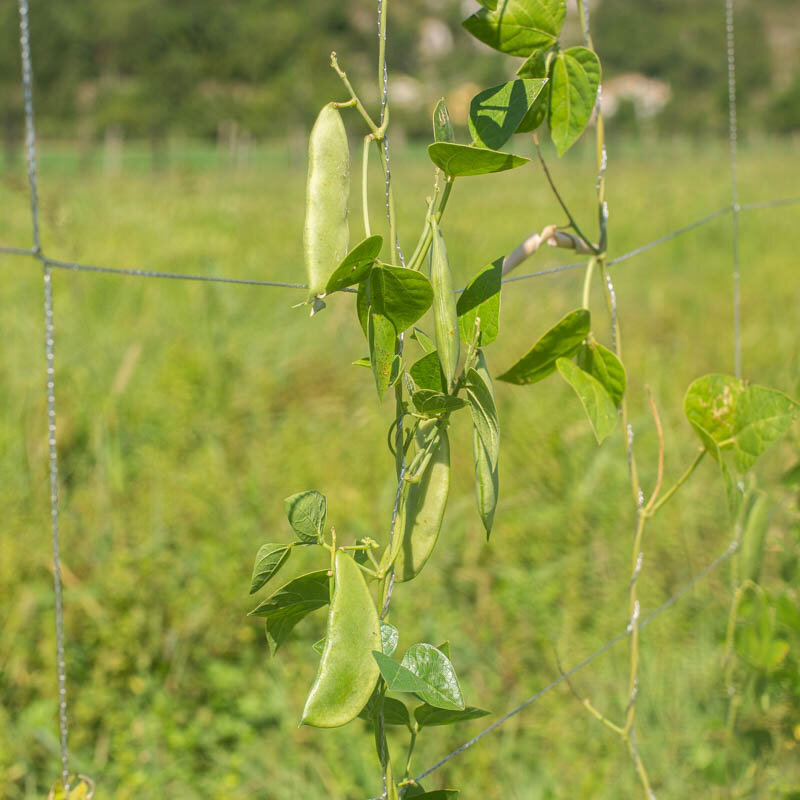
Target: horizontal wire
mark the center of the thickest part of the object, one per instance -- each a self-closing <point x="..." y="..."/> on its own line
<point x="704" y="573"/>
<point x="146" y="273"/>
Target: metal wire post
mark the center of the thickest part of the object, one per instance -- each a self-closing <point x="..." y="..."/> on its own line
<point x="733" y="136"/>
<point x="30" y="152"/>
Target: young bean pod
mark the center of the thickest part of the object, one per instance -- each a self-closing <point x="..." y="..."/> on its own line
<point x="326" y="232"/>
<point x="425" y="505"/>
<point x="347" y="671"/>
<point x="486" y="474"/>
<point x="445" y="315"/>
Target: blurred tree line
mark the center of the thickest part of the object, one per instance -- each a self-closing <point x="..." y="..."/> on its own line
<point x="201" y="68"/>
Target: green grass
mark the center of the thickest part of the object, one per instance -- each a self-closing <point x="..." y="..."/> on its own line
<point x="188" y="411"/>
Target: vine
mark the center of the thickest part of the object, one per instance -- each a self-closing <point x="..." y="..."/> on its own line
<point x="358" y="674"/>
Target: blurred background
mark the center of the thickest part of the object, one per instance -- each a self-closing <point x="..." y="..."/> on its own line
<point x="173" y="137"/>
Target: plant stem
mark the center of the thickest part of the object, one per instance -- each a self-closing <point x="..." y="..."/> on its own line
<point x="573" y="224"/>
<point x="692" y="467"/>
<point x="410" y="753"/>
<point x="368" y="139"/>
<point x="422" y="250"/>
<point x="587" y="282"/>
<point x="354" y="97"/>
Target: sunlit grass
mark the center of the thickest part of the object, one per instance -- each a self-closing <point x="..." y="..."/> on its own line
<point x="187" y="411"/>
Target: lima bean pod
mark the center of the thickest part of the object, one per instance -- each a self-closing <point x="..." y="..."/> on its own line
<point x="487" y="484"/>
<point x="326" y="232"/>
<point x="347" y="670"/>
<point x="445" y="316"/>
<point x="425" y="504"/>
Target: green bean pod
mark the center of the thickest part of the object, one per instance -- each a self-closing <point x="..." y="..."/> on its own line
<point x="445" y="315"/>
<point x="487" y="485"/>
<point x="326" y="233"/>
<point x="347" y="670"/>
<point x="425" y="504"/>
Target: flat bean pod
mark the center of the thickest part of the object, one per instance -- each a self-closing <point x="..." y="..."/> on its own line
<point x="425" y="505"/>
<point x="347" y="670"/>
<point x="487" y="485"/>
<point x="445" y="316"/>
<point x="326" y="232"/>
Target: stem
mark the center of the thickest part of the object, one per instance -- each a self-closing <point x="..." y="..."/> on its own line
<point x="692" y="467"/>
<point x="422" y="250"/>
<point x="587" y="282"/>
<point x="353" y="96"/>
<point x="368" y="139"/>
<point x="410" y="753"/>
<point x="633" y="607"/>
<point x="573" y="224"/>
<point x="391" y="208"/>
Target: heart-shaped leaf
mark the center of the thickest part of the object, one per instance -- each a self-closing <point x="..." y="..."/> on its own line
<point x="561" y="341"/>
<point x="428" y="716"/>
<point x="481" y="299"/>
<point x="401" y="295"/>
<point x="574" y="79"/>
<point x="462" y="160"/>
<point x="427" y="373"/>
<point x="382" y="336"/>
<point x="496" y="113"/>
<point x="355" y="265"/>
<point x="442" y="127"/>
<point x="518" y="27"/>
<point x="761" y="416"/>
<point x="289" y="604"/>
<point x="307" y="512"/>
<point x="602" y="364"/>
<point x="270" y="558"/>
<point x="599" y="407"/>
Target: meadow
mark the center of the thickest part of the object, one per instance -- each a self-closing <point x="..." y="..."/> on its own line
<point x="188" y="411"/>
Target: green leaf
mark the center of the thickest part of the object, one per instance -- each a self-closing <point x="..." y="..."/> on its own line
<point x="382" y="336"/>
<point x="761" y="416"/>
<point x="596" y="402"/>
<point x="428" y="716"/>
<point x="424" y="341"/>
<point x="438" y="794"/>
<point x="461" y="160"/>
<point x="481" y="299"/>
<point x="709" y="406"/>
<point x="427" y="373"/>
<point x="270" y="558"/>
<point x="432" y="403"/>
<point x="307" y="512"/>
<point x="602" y="364"/>
<point x="561" y="341"/>
<point x="362" y="362"/>
<point x="362" y="307"/>
<point x="518" y="27"/>
<point x="293" y="601"/>
<point x="487" y="482"/>
<point x="80" y="788"/>
<point x="389" y="638"/>
<point x="401" y="295"/>
<point x="484" y="414"/>
<point x="574" y="79"/>
<point x="535" y="67"/>
<point x="394" y="711"/>
<point x="355" y="265"/>
<point x="433" y="667"/>
<point x="424" y="671"/>
<point x="495" y="113"/>
<point x="442" y="127"/>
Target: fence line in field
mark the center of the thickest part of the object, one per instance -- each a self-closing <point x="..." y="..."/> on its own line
<point x="50" y="264"/>
<point x="78" y="266"/>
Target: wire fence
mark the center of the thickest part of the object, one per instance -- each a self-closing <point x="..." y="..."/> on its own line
<point x="49" y="264"/>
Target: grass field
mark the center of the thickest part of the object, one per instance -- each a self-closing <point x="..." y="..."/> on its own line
<point x="188" y="411"/>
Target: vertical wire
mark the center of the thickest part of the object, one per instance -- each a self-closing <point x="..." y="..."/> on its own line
<point x="733" y="136"/>
<point x="30" y="153"/>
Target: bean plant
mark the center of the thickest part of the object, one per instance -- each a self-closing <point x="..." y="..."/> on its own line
<point x="428" y="345"/>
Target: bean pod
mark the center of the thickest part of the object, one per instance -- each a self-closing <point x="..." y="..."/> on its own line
<point x="347" y="670"/>
<point x="486" y="474"/>
<point x="445" y="315"/>
<point x="425" y="504"/>
<point x="326" y="233"/>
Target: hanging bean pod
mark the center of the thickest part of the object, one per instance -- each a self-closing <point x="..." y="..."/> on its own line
<point x="444" y="307"/>
<point x="347" y="671"/>
<point x="326" y="232"/>
<point x="486" y="474"/>
<point x="425" y="505"/>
